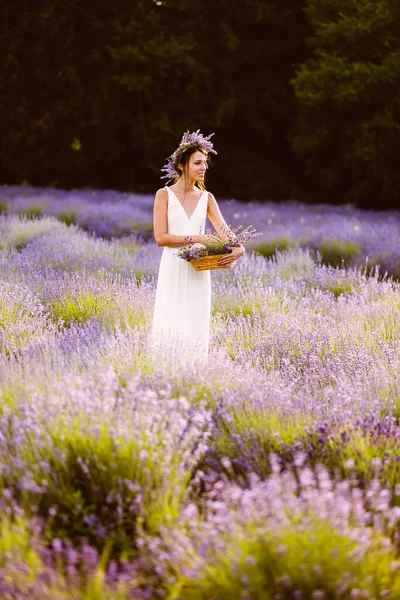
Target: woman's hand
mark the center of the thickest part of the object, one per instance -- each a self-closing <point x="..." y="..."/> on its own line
<point x="231" y="258"/>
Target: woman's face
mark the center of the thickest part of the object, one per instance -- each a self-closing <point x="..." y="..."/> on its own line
<point x="197" y="167"/>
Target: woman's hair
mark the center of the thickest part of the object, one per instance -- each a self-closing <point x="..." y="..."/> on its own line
<point x="182" y="160"/>
<point x="177" y="162"/>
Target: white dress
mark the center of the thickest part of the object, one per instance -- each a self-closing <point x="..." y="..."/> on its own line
<point x="181" y="319"/>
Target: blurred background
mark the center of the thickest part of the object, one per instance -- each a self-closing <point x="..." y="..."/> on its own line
<point x="303" y="95"/>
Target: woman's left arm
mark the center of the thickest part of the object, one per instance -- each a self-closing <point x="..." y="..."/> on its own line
<point x="222" y="229"/>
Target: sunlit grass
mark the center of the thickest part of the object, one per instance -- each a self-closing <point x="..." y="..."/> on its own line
<point x="340" y="287"/>
<point x="100" y="480"/>
<point x="26" y="574"/>
<point x="336" y="252"/>
<point x="141" y="229"/>
<point x="248" y="435"/>
<point x="145" y="455"/>
<point x="79" y="308"/>
<point x="82" y="305"/>
<point x="298" y="561"/>
<point x="31" y="211"/>
<point x="67" y="216"/>
<point x="270" y="247"/>
<point x="19" y="231"/>
<point x="22" y="318"/>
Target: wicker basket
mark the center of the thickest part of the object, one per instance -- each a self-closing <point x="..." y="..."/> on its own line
<point x="209" y="263"/>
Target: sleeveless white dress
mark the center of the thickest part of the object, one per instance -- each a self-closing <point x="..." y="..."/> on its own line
<point x="181" y="318"/>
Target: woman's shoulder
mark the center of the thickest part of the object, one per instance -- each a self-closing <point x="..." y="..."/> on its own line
<point x="161" y="198"/>
<point x="162" y="192"/>
<point x="210" y="196"/>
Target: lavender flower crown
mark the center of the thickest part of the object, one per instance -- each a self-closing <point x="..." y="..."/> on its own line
<point x="188" y="139"/>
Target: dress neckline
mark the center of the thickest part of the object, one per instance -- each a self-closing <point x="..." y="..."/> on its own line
<point x="180" y="203"/>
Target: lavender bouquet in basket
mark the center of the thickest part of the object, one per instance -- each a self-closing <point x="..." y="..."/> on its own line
<point x="206" y="255"/>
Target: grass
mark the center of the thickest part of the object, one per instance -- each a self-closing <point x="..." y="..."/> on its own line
<point x="82" y="305"/>
<point x="337" y="252"/>
<point x="340" y="287"/>
<point x="271" y="247"/>
<point x="100" y="485"/>
<point x="79" y="308"/>
<point x="247" y="436"/>
<point x="31" y="211"/>
<point x="88" y="476"/>
<point x="67" y="216"/>
<point x="232" y="307"/>
<point x="294" y="562"/>
<point x="196" y="480"/>
<point x="141" y="229"/>
<point x="22" y="230"/>
<point x="25" y="573"/>
<point x="370" y="455"/>
<point x="396" y="274"/>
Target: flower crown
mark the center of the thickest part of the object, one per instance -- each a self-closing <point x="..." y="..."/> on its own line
<point x="188" y="139"/>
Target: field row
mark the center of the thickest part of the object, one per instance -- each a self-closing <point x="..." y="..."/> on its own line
<point x="272" y="474"/>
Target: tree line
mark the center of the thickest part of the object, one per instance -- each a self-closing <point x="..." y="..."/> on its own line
<point x="303" y="96"/>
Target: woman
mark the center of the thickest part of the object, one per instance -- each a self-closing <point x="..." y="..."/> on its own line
<point x="182" y="309"/>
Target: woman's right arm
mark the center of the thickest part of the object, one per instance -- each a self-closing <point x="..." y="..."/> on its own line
<point x="160" y="225"/>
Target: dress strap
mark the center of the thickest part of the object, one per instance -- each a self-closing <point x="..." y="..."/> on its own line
<point x="205" y="194"/>
<point x="170" y="195"/>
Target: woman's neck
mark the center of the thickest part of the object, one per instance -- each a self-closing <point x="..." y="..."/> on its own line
<point x="186" y="187"/>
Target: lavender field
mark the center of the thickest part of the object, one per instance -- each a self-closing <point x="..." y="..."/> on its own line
<point x="273" y="474"/>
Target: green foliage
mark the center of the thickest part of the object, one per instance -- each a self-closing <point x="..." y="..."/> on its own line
<point x="270" y="247"/>
<point x="20" y="231"/>
<point x="31" y="211"/>
<point x="397" y="272"/>
<point x="67" y="216"/>
<point x="91" y="471"/>
<point x="363" y="450"/>
<point x="319" y="81"/>
<point x="346" y="451"/>
<point x="23" y="567"/>
<point x="348" y="94"/>
<point x="340" y="287"/>
<point x="9" y="398"/>
<point x="78" y="308"/>
<point x="3" y="206"/>
<point x="337" y="252"/>
<point x="141" y="229"/>
<point x="101" y="486"/>
<point x="303" y="557"/>
<point x="149" y="73"/>
<point x="264" y="432"/>
<point x="83" y="305"/>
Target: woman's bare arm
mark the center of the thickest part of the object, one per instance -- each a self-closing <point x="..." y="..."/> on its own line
<point x="216" y="218"/>
<point x="222" y="229"/>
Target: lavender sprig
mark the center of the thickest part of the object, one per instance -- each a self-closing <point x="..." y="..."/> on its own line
<point x="227" y="239"/>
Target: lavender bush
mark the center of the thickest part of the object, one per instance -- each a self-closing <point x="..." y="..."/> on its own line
<point x="335" y="234"/>
<point x="272" y="474"/>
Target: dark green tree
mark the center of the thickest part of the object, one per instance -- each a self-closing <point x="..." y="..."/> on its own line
<point x="349" y="102"/>
<point x="39" y="87"/>
<point x="60" y="112"/>
<point x="223" y="67"/>
<point x="97" y="94"/>
<point x="248" y="50"/>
